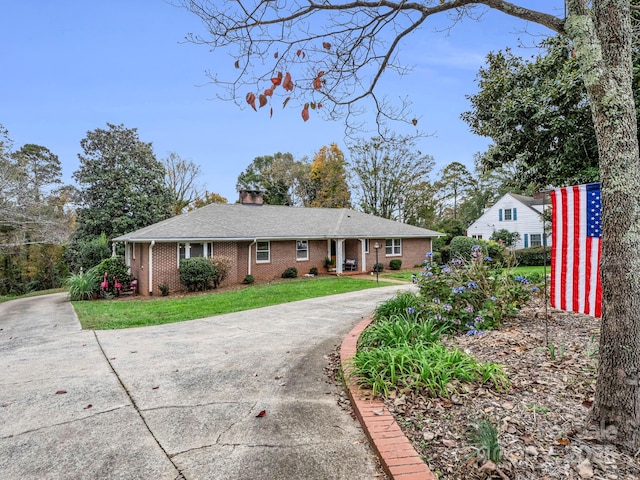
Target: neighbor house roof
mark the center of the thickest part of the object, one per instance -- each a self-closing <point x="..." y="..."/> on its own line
<point x="225" y="222"/>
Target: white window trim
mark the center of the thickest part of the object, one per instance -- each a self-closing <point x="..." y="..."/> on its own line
<point x="268" y="260"/>
<point x="531" y="239"/>
<point x="393" y="247"/>
<point x="207" y="249"/>
<point x="304" y="259"/>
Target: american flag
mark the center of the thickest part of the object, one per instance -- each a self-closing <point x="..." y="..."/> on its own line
<point x="576" y="247"/>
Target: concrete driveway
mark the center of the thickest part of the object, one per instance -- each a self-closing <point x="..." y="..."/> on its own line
<point x="179" y="401"/>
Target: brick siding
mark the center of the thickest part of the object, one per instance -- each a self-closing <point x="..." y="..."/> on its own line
<point x="282" y="256"/>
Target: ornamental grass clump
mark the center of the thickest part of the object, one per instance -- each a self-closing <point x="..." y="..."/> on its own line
<point x="432" y="370"/>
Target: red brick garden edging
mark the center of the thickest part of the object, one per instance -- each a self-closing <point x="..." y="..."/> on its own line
<point x="398" y="457"/>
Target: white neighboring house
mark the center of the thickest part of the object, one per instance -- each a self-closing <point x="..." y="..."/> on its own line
<point x="515" y="213"/>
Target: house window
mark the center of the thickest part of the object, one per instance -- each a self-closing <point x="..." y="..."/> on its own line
<point x="366" y="245"/>
<point x="193" y="250"/>
<point x="263" y="252"/>
<point x="536" y="239"/>
<point x="302" y="250"/>
<point x="393" y="246"/>
<point x="507" y="214"/>
<point x="477" y="237"/>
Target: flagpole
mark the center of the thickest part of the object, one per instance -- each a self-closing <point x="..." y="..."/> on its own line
<point x="544" y="269"/>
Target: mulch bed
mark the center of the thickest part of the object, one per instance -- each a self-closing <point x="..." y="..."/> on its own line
<point x="541" y="419"/>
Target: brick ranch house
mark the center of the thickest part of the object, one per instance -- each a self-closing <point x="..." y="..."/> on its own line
<point x="264" y="240"/>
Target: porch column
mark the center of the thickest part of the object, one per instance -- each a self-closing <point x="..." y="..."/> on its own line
<point x="150" y="262"/>
<point x="363" y="255"/>
<point x="339" y="258"/>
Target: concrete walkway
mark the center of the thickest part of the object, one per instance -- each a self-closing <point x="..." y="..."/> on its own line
<point x="179" y="401"/>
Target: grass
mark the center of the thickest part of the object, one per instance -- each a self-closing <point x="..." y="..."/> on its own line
<point x="530" y="271"/>
<point x="6" y="298"/>
<point x="107" y="315"/>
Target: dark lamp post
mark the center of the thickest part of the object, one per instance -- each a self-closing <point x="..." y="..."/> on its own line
<point x="376" y="246"/>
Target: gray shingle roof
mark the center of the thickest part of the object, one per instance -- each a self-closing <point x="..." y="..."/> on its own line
<point x="271" y="222"/>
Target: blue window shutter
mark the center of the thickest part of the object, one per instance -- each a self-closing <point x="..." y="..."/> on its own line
<point x="515" y="214"/>
<point x="500" y="215"/>
<point x="526" y="240"/>
<point x="544" y="240"/>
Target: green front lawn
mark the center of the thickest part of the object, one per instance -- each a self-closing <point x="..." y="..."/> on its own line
<point x="139" y="312"/>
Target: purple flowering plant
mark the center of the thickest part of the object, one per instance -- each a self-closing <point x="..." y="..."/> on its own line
<point x="472" y="295"/>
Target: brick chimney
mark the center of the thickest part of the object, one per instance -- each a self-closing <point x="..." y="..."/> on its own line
<point x="251" y="197"/>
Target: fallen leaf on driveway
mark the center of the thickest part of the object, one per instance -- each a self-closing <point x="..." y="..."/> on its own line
<point x="155" y="388"/>
<point x="60" y="392"/>
<point x="262" y="413"/>
<point x="88" y="406"/>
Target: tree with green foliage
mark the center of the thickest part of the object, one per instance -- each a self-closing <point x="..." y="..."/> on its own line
<point x="35" y="218"/>
<point x="538" y="115"/>
<point x="275" y="176"/>
<point x="386" y="171"/>
<point x="505" y="237"/>
<point x="329" y="179"/>
<point x="122" y="185"/>
<point x="453" y="185"/>
<point x="344" y="68"/>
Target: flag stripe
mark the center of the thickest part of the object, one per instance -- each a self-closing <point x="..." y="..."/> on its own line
<point x="576" y="247"/>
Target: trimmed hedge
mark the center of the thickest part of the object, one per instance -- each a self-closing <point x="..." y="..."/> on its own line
<point x="197" y="273"/>
<point x="395" y="264"/>
<point x="532" y="257"/>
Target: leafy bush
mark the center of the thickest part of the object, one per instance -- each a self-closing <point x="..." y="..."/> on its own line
<point x="472" y="295"/>
<point x="117" y="276"/>
<point x="223" y="266"/>
<point x="532" y="257"/>
<point x="164" y="289"/>
<point x="290" y="272"/>
<point x="83" y="286"/>
<point x="460" y="247"/>
<point x="85" y="253"/>
<point x="445" y="254"/>
<point x="507" y="238"/>
<point x="395" y="264"/>
<point x="248" y="280"/>
<point x="196" y="273"/>
<point x="378" y="267"/>
<point x="313" y="271"/>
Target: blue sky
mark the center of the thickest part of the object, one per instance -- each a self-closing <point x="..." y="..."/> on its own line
<point x="70" y="66"/>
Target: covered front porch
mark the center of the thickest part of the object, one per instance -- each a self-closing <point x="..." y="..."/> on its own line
<point x="349" y="256"/>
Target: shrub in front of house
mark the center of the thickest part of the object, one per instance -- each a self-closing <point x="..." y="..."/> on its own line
<point x="164" y="289"/>
<point x="196" y="274"/>
<point x="223" y="266"/>
<point x="290" y="272"/>
<point x="378" y="267"/>
<point x="117" y="276"/>
<point x="395" y="264"/>
<point x="248" y="280"/>
<point x="533" y="256"/>
<point x="313" y="271"/>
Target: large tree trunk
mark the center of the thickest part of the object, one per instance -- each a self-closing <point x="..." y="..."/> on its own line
<point x="603" y="45"/>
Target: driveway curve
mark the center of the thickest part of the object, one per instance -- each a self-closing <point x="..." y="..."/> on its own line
<point x="179" y="401"/>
